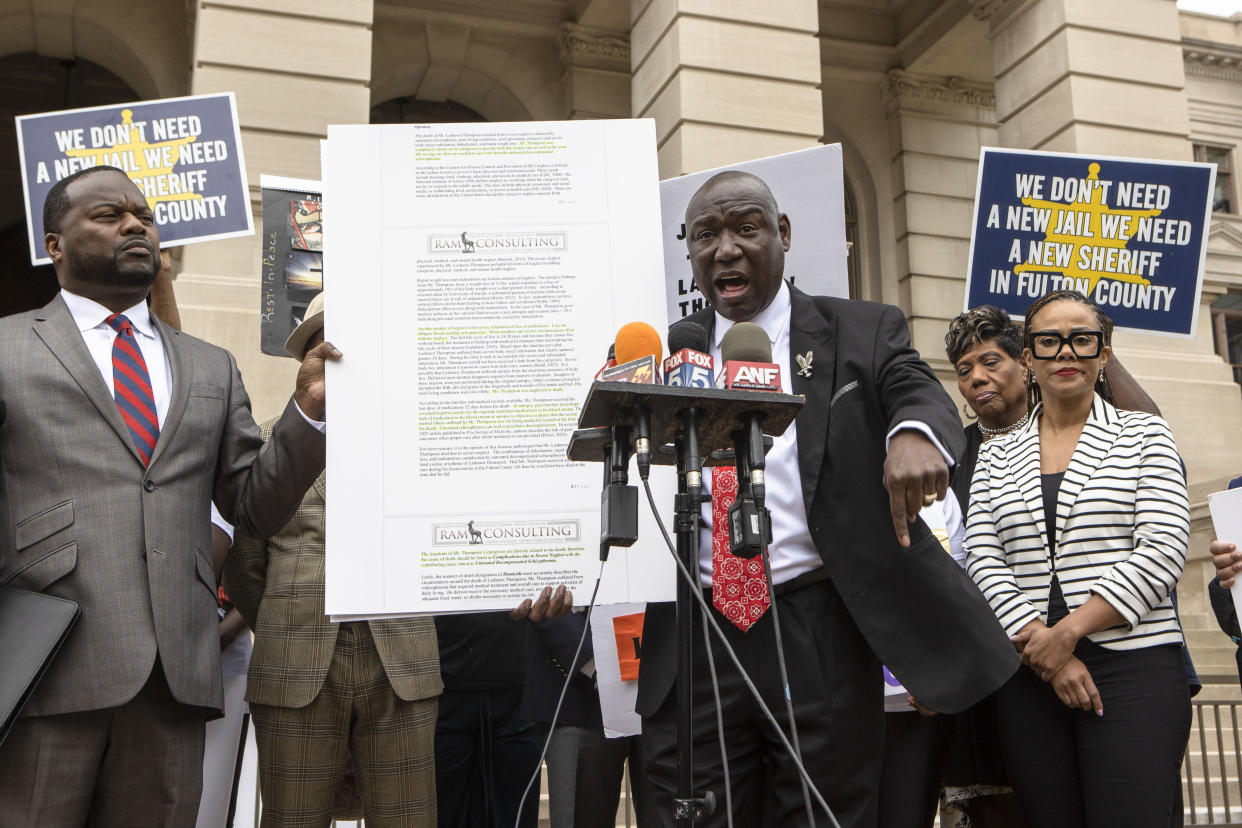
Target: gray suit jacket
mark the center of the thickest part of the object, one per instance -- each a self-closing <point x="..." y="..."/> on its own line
<point x="82" y="518"/>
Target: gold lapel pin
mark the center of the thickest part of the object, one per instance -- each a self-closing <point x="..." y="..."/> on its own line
<point x="804" y="363"/>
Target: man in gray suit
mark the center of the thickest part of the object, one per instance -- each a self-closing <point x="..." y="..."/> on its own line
<point x="117" y="432"/>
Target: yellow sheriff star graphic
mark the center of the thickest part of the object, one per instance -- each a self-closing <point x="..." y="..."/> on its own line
<point x="1085" y="239"/>
<point x="150" y="165"/>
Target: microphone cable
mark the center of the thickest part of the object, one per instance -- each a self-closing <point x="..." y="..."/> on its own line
<point x="784" y="673"/>
<point x="556" y="714"/>
<point x="720" y="729"/>
<point x="697" y="591"/>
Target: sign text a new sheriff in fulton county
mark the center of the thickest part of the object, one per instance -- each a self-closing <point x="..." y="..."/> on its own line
<point x="1130" y="234"/>
<point x="185" y="154"/>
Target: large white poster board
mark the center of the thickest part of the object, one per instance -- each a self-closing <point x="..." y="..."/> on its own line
<point x="809" y="187"/>
<point x="480" y="274"/>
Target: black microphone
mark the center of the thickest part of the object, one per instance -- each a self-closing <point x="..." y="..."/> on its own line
<point x="689" y="364"/>
<point x="746" y="353"/>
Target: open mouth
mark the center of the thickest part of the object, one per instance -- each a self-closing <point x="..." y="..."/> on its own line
<point x="730" y="286"/>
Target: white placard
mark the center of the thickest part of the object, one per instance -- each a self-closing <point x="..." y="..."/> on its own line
<point x="480" y="272"/>
<point x="1226" y="510"/>
<point x="809" y="188"/>
<point x="616" y="697"/>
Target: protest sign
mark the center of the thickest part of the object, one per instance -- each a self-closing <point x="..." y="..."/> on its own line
<point x="185" y="154"/>
<point x="292" y="271"/>
<point x="1130" y="234"/>
<point x="809" y="188"/>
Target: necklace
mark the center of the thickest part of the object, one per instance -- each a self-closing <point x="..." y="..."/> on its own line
<point x="1009" y="429"/>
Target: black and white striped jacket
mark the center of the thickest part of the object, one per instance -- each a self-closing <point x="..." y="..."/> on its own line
<point x="1123" y="526"/>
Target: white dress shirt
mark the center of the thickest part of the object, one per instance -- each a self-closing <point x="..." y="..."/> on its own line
<point x="792" y="551"/>
<point x="91" y="318"/>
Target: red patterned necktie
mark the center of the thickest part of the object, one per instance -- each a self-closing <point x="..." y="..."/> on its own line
<point x="131" y="384"/>
<point x="739" y="588"/>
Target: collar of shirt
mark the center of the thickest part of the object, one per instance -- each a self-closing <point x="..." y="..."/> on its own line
<point x="774" y="319"/>
<point x="89" y="314"/>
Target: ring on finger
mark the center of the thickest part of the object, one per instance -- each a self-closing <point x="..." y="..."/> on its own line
<point x="929" y="499"/>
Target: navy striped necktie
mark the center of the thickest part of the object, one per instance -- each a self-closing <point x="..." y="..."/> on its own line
<point x="131" y="384"/>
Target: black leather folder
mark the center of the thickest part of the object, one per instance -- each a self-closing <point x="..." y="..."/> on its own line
<point x="33" y="626"/>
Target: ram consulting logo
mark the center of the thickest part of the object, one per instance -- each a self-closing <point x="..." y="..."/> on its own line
<point x="556" y="241"/>
<point x="477" y="533"/>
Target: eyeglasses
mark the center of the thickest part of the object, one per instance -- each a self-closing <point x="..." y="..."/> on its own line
<point x="1048" y="344"/>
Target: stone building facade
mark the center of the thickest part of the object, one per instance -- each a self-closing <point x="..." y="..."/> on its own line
<point x="910" y="88"/>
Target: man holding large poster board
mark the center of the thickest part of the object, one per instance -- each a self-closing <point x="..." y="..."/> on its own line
<point x="119" y="432"/>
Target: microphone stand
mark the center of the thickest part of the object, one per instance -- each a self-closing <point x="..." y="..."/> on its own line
<point x="686" y="506"/>
<point x="656" y="416"/>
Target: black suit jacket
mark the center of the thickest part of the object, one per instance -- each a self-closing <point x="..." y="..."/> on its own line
<point x="921" y="614"/>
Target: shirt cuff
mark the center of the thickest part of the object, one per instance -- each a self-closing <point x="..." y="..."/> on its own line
<point x="925" y="430"/>
<point x="322" y="427"/>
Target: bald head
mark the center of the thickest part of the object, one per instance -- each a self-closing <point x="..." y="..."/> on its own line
<point x="738" y="178"/>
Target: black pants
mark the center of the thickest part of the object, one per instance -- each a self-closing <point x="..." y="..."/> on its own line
<point x="1071" y="768"/>
<point x="916" y="750"/>
<point x="585" y="773"/>
<point x="485" y="755"/>
<point x="835" y="685"/>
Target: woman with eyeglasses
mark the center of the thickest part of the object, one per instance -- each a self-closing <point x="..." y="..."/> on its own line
<point x="1077" y="531"/>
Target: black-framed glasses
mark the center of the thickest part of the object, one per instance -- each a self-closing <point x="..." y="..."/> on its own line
<point x="1048" y="344"/>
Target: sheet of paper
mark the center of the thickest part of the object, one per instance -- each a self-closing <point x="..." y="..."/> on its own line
<point x="1226" y="510"/>
<point x="480" y="273"/>
<point x="617" y="696"/>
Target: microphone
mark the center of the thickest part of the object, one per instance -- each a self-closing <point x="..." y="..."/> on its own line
<point x="638" y="350"/>
<point x="746" y="353"/>
<point x="608" y="363"/>
<point x="635" y="356"/>
<point x="688" y="364"/>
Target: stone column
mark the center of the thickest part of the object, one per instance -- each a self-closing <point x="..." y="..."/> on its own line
<point x="726" y="81"/>
<point x="936" y="127"/>
<point x="597" y="72"/>
<point x="295" y="67"/>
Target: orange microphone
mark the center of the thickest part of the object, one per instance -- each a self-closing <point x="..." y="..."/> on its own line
<point x="638" y="350"/>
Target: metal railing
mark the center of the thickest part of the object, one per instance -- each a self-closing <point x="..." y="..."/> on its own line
<point x="1211" y="772"/>
<point x="1212" y="766"/>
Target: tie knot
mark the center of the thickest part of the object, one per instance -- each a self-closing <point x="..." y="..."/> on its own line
<point x="120" y="323"/>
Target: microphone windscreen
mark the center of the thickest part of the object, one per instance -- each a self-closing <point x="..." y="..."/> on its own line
<point x="636" y="340"/>
<point x="745" y="342"/>
<point x="689" y="335"/>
